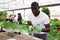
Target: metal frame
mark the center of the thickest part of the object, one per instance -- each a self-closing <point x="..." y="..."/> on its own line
<point x="49" y="5"/>
<point x="7" y="2"/>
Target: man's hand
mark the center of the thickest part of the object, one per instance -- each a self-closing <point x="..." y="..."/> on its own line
<point x="28" y="24"/>
<point x="47" y="29"/>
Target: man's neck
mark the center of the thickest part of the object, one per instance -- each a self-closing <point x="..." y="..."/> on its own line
<point x="37" y="14"/>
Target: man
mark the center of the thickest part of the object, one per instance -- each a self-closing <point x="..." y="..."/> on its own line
<point x="40" y="18"/>
<point x="12" y="18"/>
<point x="19" y="18"/>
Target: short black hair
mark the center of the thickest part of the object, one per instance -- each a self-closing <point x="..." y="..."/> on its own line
<point x="35" y="4"/>
<point x="19" y="13"/>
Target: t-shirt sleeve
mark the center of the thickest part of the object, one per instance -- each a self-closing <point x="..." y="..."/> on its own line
<point x="46" y="19"/>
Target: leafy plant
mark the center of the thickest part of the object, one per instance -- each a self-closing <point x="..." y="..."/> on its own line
<point x="24" y="21"/>
<point x="46" y="10"/>
<point x="3" y="15"/>
<point x="54" y="34"/>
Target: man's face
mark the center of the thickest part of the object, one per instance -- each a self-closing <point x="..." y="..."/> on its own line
<point x="35" y="9"/>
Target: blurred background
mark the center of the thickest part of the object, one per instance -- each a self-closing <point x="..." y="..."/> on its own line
<point x="23" y="7"/>
<point x="13" y="7"/>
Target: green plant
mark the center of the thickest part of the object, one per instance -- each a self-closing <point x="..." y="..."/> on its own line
<point x="24" y="21"/>
<point x="46" y="10"/>
<point x="38" y="29"/>
<point x="54" y="34"/>
<point x="3" y="15"/>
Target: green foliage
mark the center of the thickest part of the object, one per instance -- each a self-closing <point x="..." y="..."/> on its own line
<point x="46" y="10"/>
<point x="56" y="23"/>
<point x="24" y="21"/>
<point x="38" y="29"/>
<point x="1" y="23"/>
<point x="11" y="25"/>
<point x="54" y="34"/>
<point x="3" y="15"/>
<point x="14" y="26"/>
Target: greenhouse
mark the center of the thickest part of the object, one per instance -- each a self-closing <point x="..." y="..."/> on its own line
<point x="29" y="20"/>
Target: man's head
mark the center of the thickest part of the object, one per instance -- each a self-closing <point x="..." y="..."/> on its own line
<point x="35" y="8"/>
<point x="19" y="14"/>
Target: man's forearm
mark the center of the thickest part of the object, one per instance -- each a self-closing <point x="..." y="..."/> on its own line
<point x="45" y="29"/>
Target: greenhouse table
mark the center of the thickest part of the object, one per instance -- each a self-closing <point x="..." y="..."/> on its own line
<point x="3" y="36"/>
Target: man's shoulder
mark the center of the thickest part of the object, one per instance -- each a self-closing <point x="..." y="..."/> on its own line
<point x="44" y="14"/>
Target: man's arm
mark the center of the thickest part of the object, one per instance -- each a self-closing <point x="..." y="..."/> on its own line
<point x="47" y="29"/>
